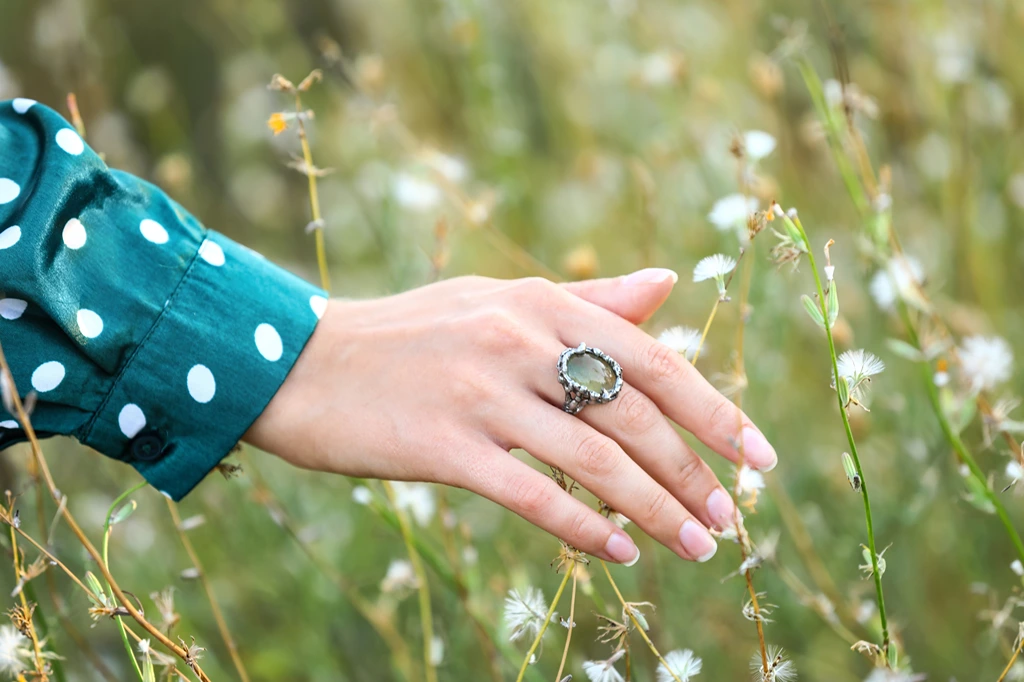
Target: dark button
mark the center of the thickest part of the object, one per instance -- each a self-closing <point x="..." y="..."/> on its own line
<point x="147" y="446"/>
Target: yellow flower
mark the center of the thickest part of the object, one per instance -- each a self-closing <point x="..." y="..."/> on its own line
<point x="277" y="123"/>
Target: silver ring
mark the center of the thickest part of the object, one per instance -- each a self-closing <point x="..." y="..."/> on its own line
<point x="588" y="376"/>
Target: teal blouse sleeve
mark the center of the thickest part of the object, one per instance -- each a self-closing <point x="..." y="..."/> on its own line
<point x="144" y="335"/>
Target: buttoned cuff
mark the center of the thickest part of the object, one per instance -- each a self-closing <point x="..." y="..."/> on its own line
<point x="219" y="350"/>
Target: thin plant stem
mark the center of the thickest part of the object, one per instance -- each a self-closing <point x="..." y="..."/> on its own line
<point x="714" y="308"/>
<point x="218" y="615"/>
<point x="107" y="528"/>
<point x="850" y="439"/>
<point x="572" y="624"/>
<point x="314" y="197"/>
<point x="37" y="652"/>
<point x="426" y="616"/>
<point x="1013" y="659"/>
<point x="636" y="624"/>
<point x="544" y="625"/>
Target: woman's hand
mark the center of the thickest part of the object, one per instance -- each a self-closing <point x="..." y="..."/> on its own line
<point x="439" y="383"/>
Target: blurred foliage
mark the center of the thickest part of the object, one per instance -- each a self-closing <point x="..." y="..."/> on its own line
<point x="595" y="134"/>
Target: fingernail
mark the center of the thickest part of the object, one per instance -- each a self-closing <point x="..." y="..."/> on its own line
<point x="721" y="509"/>
<point x="652" y="276"/>
<point x="696" y="541"/>
<point x="620" y="548"/>
<point x="757" y="451"/>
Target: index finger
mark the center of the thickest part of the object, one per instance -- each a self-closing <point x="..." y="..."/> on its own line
<point x="675" y="386"/>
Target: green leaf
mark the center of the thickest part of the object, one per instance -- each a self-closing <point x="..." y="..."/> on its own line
<point x="148" y="675"/>
<point x="844" y="392"/>
<point x="894" y="655"/>
<point x="978" y="495"/>
<point x="832" y="305"/>
<point x="98" y="596"/>
<point x="123" y="512"/>
<point x="905" y="350"/>
<point x="813" y="310"/>
<point x="848" y="466"/>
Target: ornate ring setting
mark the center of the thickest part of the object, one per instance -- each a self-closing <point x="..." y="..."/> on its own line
<point x="588" y="376"/>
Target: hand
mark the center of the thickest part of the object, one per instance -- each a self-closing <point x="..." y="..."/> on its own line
<point x="439" y="383"/>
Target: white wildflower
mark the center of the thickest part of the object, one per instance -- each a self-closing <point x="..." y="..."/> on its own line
<point x="748" y="481"/>
<point x="883" y="675"/>
<point x="417" y="499"/>
<point x="900" y="279"/>
<point x="714" y="267"/>
<point x="524" y="612"/>
<point x="857" y="367"/>
<point x="731" y="212"/>
<point x="660" y="69"/>
<point x="436" y="651"/>
<point x="682" y="664"/>
<point x="779" y="668"/>
<point x="1014" y="471"/>
<point x="683" y="340"/>
<point x="986" y="361"/>
<point x="1017" y="567"/>
<point x="400" y="578"/>
<point x="758" y="144"/>
<point x="15" y="653"/>
<point x="362" y="495"/>
<point x="415" y="193"/>
<point x="604" y="671"/>
<point x="451" y="168"/>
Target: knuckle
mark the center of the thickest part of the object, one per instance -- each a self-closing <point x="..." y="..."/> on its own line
<point x="721" y="415"/>
<point x="656" y="504"/>
<point x="500" y="329"/>
<point x="662" y="363"/>
<point x="596" y="455"/>
<point x="579" y="522"/>
<point x="528" y="496"/>
<point x="689" y="470"/>
<point x="637" y="414"/>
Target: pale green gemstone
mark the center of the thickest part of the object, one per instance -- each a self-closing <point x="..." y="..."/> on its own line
<point x="591" y="372"/>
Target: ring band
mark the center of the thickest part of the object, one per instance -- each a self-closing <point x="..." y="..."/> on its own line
<point x="588" y="376"/>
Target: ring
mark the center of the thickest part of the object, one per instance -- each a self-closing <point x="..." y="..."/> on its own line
<point x="588" y="376"/>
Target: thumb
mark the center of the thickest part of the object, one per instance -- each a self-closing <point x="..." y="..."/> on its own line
<point x="634" y="297"/>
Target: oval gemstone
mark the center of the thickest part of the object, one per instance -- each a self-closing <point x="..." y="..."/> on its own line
<point x="590" y="371"/>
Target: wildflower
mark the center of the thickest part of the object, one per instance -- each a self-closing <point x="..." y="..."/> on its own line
<point x="998" y="420"/>
<point x="417" y="499"/>
<point x="758" y="144"/>
<point x="436" y="651"/>
<point x="867" y="566"/>
<point x="631" y="611"/>
<point x="731" y="211"/>
<point x="883" y="675"/>
<point x="748" y="484"/>
<point x="604" y="671"/>
<point x="277" y="123"/>
<point x="714" y="267"/>
<point x="683" y="340"/>
<point x="681" y="663"/>
<point x="900" y="279"/>
<point x="15" y="653"/>
<point x="451" y="168"/>
<point x="1017" y="567"/>
<point x="763" y="609"/>
<point x="524" y="612"/>
<point x="362" y="495"/>
<point x="857" y="367"/>
<point x="414" y="193"/>
<point x="986" y="361"/>
<point x="1014" y="471"/>
<point x="849" y="97"/>
<point x="400" y="578"/>
<point x="779" y="669"/>
<point x="660" y="69"/>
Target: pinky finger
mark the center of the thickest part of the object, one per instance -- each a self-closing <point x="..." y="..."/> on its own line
<point x="538" y="499"/>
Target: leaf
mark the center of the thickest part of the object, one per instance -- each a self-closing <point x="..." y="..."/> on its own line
<point x="123" y="512"/>
<point x="148" y="675"/>
<point x="98" y="596"/>
<point x="978" y="495"/>
<point x="832" y="305"/>
<point x="894" y="655"/>
<point x="905" y="350"/>
<point x="843" y="387"/>
<point x="813" y="310"/>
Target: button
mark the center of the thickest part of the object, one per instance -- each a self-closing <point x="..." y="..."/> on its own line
<point x="148" y="446"/>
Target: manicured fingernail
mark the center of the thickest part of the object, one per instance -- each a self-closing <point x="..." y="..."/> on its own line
<point x="621" y="548"/>
<point x="757" y="451"/>
<point x="652" y="276"/>
<point x="721" y="509"/>
<point x="696" y="541"/>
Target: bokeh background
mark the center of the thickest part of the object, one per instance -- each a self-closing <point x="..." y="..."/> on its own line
<point x="570" y="139"/>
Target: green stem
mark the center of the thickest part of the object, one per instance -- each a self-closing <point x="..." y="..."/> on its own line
<point x="544" y="626"/>
<point x="853" y="445"/>
<point x="106" y="545"/>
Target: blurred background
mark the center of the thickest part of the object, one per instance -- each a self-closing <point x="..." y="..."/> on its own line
<point x="567" y="139"/>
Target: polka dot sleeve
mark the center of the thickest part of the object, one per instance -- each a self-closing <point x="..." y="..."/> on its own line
<point x="145" y="336"/>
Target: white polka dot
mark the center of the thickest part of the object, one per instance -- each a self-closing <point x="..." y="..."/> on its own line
<point x="319" y="305"/>
<point x="9" y="424"/>
<point x="12" y="308"/>
<point x="10" y="237"/>
<point x="201" y="385"/>
<point x="69" y="141"/>
<point x="9" y="190"/>
<point x="47" y="376"/>
<point x="74" y="234"/>
<point x="21" y="105"/>
<point x="89" y="323"/>
<point x="268" y="342"/>
<point x="131" y="420"/>
<point x="211" y="253"/>
<point x="153" y="231"/>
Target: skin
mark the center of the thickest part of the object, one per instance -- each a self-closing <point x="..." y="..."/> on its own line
<point x="438" y="384"/>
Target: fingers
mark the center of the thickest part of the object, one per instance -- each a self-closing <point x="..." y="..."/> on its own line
<point x="634" y="422"/>
<point x="538" y="499"/>
<point x="634" y="297"/>
<point x="674" y="385"/>
<point x="603" y="468"/>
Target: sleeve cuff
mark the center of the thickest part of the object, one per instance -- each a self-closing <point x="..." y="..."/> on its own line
<point x="221" y="347"/>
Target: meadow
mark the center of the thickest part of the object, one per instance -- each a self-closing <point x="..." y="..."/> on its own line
<point x="858" y="166"/>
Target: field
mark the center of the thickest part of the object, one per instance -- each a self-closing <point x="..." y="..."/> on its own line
<point x="570" y="140"/>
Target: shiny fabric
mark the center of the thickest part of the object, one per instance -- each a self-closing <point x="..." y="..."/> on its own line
<point x="145" y="336"/>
